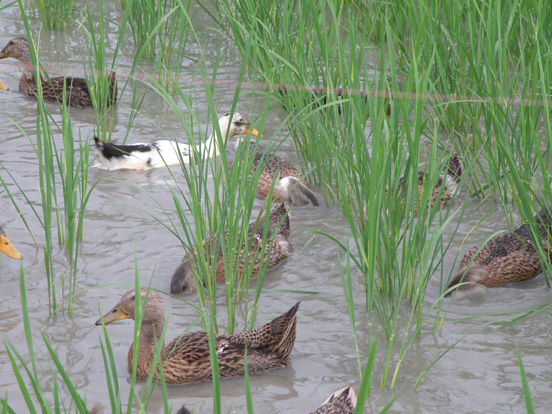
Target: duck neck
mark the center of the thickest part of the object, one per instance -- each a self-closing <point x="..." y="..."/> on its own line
<point x="25" y="59"/>
<point x="150" y="334"/>
<point x="212" y="143"/>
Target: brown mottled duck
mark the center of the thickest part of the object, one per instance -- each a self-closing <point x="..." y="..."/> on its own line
<point x="445" y="187"/>
<point x="276" y="250"/>
<point x="186" y="358"/>
<point x="7" y="247"/>
<point x="77" y="93"/>
<point x="506" y="258"/>
<point x="289" y="184"/>
<point x="343" y="401"/>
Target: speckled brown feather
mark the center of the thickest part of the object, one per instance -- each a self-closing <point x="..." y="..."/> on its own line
<point x="77" y="93"/>
<point x="506" y="258"/>
<point x="186" y="358"/>
<point x="442" y="192"/>
<point x="343" y="401"/>
<point x="275" y="168"/>
<point x="276" y="250"/>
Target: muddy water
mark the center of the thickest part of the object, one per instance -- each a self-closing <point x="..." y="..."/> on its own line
<point x="479" y="375"/>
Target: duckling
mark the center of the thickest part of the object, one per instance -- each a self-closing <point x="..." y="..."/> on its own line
<point x="276" y="250"/>
<point x="77" y="93"/>
<point x="444" y="188"/>
<point x="289" y="187"/>
<point x="7" y="247"/>
<point x="165" y="152"/>
<point x="186" y="358"/>
<point x="506" y="258"/>
<point x="343" y="401"/>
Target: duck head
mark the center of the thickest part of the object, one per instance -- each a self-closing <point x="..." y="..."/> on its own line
<point x="17" y="48"/>
<point x="152" y="312"/>
<point x="235" y="125"/>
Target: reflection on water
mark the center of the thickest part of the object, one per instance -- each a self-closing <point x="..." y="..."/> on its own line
<point x="119" y="226"/>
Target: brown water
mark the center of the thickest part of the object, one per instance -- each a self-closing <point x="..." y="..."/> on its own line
<point x="479" y="375"/>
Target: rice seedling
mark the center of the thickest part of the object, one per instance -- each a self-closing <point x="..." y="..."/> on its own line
<point x="54" y="14"/>
<point x="59" y="169"/>
<point x="98" y="76"/>
<point x="160" y="32"/>
<point x="396" y="251"/>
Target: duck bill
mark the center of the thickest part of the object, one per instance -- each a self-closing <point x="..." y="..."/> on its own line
<point x="3" y="86"/>
<point x="8" y="248"/>
<point x="3" y="55"/>
<point x="114" y="315"/>
<point x="253" y="131"/>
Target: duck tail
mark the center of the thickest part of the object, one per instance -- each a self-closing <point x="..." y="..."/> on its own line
<point x="274" y="340"/>
<point x="98" y="142"/>
<point x="475" y="274"/>
<point x="293" y="190"/>
<point x="183" y="410"/>
<point x="285" y="326"/>
<point x="279" y="220"/>
<point x="342" y="401"/>
<point x="454" y="167"/>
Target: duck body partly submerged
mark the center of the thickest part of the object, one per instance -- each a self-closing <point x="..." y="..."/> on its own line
<point x="7" y="247"/>
<point x="343" y="401"/>
<point x="444" y="189"/>
<point x="76" y="89"/>
<point x="140" y="156"/>
<point x="289" y="183"/>
<point x="276" y="250"/>
<point x="186" y="358"/>
<point x="506" y="258"/>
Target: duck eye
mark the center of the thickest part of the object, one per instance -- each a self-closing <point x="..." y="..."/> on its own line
<point x="133" y="297"/>
<point x="227" y="114"/>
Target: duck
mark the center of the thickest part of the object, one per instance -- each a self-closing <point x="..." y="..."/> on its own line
<point x="77" y="92"/>
<point x="506" y="258"/>
<point x="161" y="153"/>
<point x="288" y="181"/>
<point x="276" y="250"/>
<point x="321" y="93"/>
<point x="444" y="189"/>
<point x="7" y="247"/>
<point x="343" y="401"/>
<point x="186" y="358"/>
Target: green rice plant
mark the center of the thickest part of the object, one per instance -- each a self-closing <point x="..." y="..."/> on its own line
<point x="98" y="76"/>
<point x="54" y="14"/>
<point x="303" y="58"/>
<point x="525" y="387"/>
<point x="160" y="31"/>
<point x="395" y="251"/>
<point x="59" y="169"/>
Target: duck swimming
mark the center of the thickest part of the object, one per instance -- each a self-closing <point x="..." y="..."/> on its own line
<point x="186" y="358"/>
<point x="77" y="93"/>
<point x="276" y="250"/>
<point x="290" y="181"/>
<point x="7" y="247"/>
<point x="506" y="258"/>
<point x="445" y="187"/>
<point x="165" y="152"/>
<point x="289" y="184"/>
<point x="343" y="401"/>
